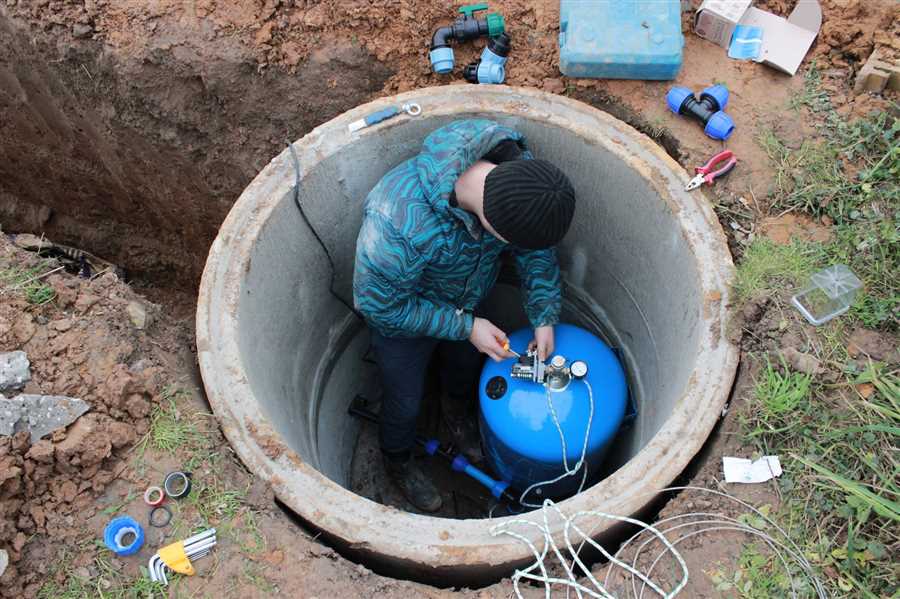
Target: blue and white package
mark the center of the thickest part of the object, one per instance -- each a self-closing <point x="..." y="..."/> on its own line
<point x="746" y="42"/>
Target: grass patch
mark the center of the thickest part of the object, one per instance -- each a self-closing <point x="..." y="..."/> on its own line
<point x="781" y="396"/>
<point x="170" y="429"/>
<point x="759" y="575"/>
<point x="255" y="574"/>
<point x="872" y="251"/>
<point x="106" y="582"/>
<point x="26" y="282"/>
<point x="840" y="486"/>
<point x="849" y="174"/>
<point x="214" y="502"/>
<point x="767" y="266"/>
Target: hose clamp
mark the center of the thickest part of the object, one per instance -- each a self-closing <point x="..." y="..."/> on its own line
<point x="154" y="496"/>
<point x="177" y="484"/>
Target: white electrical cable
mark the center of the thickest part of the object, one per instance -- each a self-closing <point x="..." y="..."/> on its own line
<point x="571" y="581"/>
<point x="716" y="524"/>
<point x="582" y="462"/>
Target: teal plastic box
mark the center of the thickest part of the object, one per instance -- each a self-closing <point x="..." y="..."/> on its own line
<point x="620" y="39"/>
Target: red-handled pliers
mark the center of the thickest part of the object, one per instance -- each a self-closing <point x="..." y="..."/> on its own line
<point x="706" y="174"/>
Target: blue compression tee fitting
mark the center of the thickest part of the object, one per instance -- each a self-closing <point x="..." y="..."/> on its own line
<point x="709" y="109"/>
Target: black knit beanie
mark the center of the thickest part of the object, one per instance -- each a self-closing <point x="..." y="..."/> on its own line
<point x="529" y="203"/>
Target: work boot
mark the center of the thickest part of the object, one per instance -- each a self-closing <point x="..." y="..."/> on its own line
<point x="415" y="486"/>
<point x="465" y="436"/>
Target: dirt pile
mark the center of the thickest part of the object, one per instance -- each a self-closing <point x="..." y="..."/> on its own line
<point x="84" y="345"/>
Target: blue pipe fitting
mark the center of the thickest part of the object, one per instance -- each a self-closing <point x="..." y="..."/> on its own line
<point x="709" y="109"/>
<point x="719" y="126"/>
<point x="116" y="531"/>
<point x="442" y="60"/>
<point x="431" y="446"/>
<point x="719" y="93"/>
<point x="491" y="67"/>
<point x="466" y="27"/>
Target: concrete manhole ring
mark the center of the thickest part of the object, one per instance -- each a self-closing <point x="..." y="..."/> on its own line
<point x="275" y="349"/>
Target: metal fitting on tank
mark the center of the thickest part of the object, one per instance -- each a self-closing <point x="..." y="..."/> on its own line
<point x="556" y="375"/>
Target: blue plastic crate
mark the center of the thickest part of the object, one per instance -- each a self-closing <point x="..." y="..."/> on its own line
<point x="620" y="39"/>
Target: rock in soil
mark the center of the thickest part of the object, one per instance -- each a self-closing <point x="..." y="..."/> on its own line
<point x="40" y="415"/>
<point x="878" y="346"/>
<point x="801" y="362"/>
<point x="138" y="314"/>
<point x="15" y="371"/>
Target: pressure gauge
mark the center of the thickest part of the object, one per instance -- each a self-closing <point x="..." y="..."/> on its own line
<point x="558" y="361"/>
<point x="578" y="369"/>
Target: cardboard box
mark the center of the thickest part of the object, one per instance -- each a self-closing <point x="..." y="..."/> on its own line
<point x="715" y="20"/>
<point x="785" y="42"/>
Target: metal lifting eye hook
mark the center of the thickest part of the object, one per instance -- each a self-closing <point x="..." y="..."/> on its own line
<point x="412" y="109"/>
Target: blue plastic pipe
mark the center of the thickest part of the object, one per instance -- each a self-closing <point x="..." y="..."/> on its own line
<point x="498" y="488"/>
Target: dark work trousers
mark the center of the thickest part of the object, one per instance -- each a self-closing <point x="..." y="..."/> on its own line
<point x="402" y="364"/>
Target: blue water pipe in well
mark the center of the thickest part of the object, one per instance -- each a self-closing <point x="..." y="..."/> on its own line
<point x="522" y="400"/>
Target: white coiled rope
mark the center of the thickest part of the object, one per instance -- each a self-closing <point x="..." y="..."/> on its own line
<point x="592" y="587"/>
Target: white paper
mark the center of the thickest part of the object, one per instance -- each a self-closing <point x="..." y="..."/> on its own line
<point x="739" y="470"/>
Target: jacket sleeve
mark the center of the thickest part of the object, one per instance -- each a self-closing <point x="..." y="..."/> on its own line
<point x="541" y="283"/>
<point x="385" y="287"/>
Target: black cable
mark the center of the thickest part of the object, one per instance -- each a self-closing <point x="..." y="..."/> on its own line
<point x="315" y="233"/>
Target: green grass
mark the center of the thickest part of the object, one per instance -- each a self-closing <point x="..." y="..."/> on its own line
<point x="758" y="575"/>
<point x="170" y="429"/>
<point x="781" y="396"/>
<point x="107" y="581"/>
<point x="840" y="495"/>
<point x="254" y="574"/>
<point x="23" y="280"/>
<point x="840" y="486"/>
<point x="848" y="173"/>
<point x="177" y="430"/>
<point x="872" y="251"/>
<point x="767" y="266"/>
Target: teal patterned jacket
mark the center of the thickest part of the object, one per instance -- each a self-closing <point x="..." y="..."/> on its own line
<point x="423" y="265"/>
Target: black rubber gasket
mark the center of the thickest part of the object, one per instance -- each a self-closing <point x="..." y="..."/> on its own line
<point x="165" y="510"/>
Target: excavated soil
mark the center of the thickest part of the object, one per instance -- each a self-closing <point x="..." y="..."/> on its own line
<point x="129" y="131"/>
<point x="130" y="128"/>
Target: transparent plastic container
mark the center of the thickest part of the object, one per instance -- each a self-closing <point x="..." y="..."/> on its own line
<point x="830" y="293"/>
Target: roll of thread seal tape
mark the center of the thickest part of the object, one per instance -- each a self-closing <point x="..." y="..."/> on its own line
<point x="177" y="484"/>
<point x="154" y="496"/>
<point x="123" y="536"/>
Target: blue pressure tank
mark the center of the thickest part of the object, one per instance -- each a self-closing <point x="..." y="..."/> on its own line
<point x="521" y="438"/>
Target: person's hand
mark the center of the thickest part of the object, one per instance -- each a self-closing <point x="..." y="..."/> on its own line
<point x="543" y="342"/>
<point x="489" y="340"/>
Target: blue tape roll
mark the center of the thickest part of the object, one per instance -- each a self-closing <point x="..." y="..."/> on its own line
<point x="117" y="530"/>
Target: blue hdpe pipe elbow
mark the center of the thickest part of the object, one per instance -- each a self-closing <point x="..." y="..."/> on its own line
<point x="709" y="109"/>
<point x="491" y="67"/>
